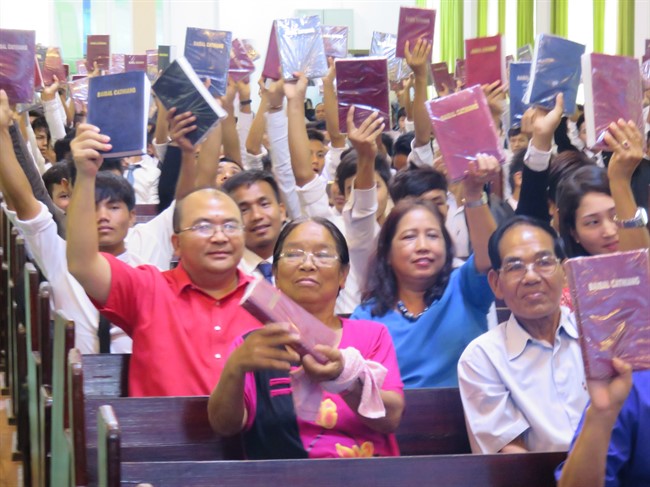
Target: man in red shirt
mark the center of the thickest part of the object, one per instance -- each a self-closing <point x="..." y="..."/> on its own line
<point x="181" y="321"/>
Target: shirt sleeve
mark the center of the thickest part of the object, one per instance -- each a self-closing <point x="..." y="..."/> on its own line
<point x="160" y="148"/>
<point x="53" y="118"/>
<point x="421" y="156"/>
<point x="492" y="418"/>
<point x="250" y="161"/>
<point x="313" y="198"/>
<point x="332" y="161"/>
<point x="244" y="122"/>
<point x="250" y="390"/>
<point x="475" y="286"/>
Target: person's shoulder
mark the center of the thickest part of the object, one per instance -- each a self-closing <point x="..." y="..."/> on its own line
<point x="488" y="344"/>
<point x="365" y="325"/>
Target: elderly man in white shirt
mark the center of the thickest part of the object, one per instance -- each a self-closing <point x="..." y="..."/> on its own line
<point x="523" y="384"/>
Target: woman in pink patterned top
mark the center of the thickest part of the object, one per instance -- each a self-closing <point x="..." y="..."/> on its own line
<point x="254" y="395"/>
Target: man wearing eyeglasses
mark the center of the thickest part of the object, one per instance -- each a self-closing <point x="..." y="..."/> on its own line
<point x="522" y="384"/>
<point x="182" y="321"/>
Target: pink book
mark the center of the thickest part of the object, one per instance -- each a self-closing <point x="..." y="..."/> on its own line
<point x="152" y="63"/>
<point x="611" y="296"/>
<point x="272" y="62"/>
<point x="485" y="60"/>
<point x="362" y="82"/>
<point x="38" y="76"/>
<point x="269" y="305"/>
<point x="442" y="78"/>
<point x="98" y="48"/>
<point x="454" y="117"/>
<point x="613" y="90"/>
<point x="53" y="66"/>
<point x="135" y="62"/>
<point x="241" y="65"/>
<point x="414" y="23"/>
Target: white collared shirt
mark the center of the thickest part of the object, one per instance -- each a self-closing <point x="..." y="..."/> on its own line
<point x="249" y="262"/>
<point x="513" y="384"/>
<point x="145" y="181"/>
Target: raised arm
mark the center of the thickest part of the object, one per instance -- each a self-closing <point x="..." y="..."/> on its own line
<point x="85" y="262"/>
<point x="364" y="140"/>
<point x="207" y="164"/>
<point x="330" y="102"/>
<point x="256" y="132"/>
<point x="230" y="137"/>
<point x="298" y="140"/>
<point x="161" y="135"/>
<point x="51" y="107"/>
<point x="419" y="61"/>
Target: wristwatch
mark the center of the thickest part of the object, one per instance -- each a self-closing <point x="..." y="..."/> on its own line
<point x="639" y="220"/>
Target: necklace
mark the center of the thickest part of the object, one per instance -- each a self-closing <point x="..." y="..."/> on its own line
<point x="407" y="314"/>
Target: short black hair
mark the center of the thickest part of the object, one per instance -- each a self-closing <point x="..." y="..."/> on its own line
<point x="54" y="175"/>
<point x="514" y="131"/>
<point x="388" y="142"/>
<point x="415" y="182"/>
<point x="250" y="177"/>
<point x="41" y="123"/>
<point x="516" y="165"/>
<point x="62" y="148"/>
<point x="114" y="188"/>
<point x="562" y="166"/>
<point x="402" y="144"/>
<point x="313" y="134"/>
<point x="580" y="121"/>
<point x="348" y="168"/>
<point x="517" y="220"/>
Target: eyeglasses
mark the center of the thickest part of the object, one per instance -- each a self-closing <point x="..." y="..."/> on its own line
<point x="207" y="229"/>
<point x="322" y="258"/>
<point x="517" y="269"/>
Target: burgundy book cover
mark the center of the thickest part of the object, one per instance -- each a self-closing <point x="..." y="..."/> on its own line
<point x="442" y="78"/>
<point x="17" y="59"/>
<point x="53" y="66"/>
<point x="335" y="39"/>
<point x="98" y="49"/>
<point x="269" y="305"/>
<point x="250" y="49"/>
<point x="272" y="62"/>
<point x="611" y="297"/>
<point x="362" y="82"/>
<point x="66" y="70"/>
<point x="485" y="61"/>
<point x="135" y="62"/>
<point x="38" y="76"/>
<point x="454" y="117"/>
<point x="612" y="88"/>
<point x="647" y="46"/>
<point x="241" y="65"/>
<point x="414" y="23"/>
<point x="460" y="73"/>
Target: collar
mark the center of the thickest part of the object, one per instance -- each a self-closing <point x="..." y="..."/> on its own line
<point x="180" y="280"/>
<point x="250" y="260"/>
<point x="517" y="337"/>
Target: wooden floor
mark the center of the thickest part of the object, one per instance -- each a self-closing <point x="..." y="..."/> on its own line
<point x="10" y="472"/>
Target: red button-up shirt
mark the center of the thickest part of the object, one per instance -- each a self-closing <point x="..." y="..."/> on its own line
<point x="181" y="336"/>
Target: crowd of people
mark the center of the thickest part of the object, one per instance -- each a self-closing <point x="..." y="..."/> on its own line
<point x="361" y="227"/>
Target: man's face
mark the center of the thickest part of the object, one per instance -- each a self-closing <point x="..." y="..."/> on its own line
<point x="113" y="222"/>
<point x="319" y="112"/>
<point x="318" y="151"/>
<point x="225" y="171"/>
<point x="439" y="198"/>
<point x="582" y="133"/>
<point x="518" y="142"/>
<point x="41" y="140"/>
<point x="61" y="194"/>
<point x="536" y="294"/>
<point x="262" y="214"/>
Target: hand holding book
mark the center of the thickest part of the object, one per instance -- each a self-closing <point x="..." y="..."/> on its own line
<point x="608" y="396"/>
<point x="542" y="123"/>
<point x="364" y="137"/>
<point x="628" y="143"/>
<point x="419" y="58"/>
<point x="179" y="126"/>
<point x="321" y="372"/>
<point x="51" y="91"/>
<point x="296" y="90"/>
<point x="269" y="348"/>
<point x="485" y="169"/>
<point x="86" y="149"/>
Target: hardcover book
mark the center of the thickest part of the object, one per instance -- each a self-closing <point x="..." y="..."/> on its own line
<point x="301" y="48"/>
<point x="38" y="76"/>
<point x="335" y="39"/>
<point x="519" y="75"/>
<point x="484" y="60"/>
<point x="241" y="65"/>
<point x="525" y="53"/>
<point x="442" y="79"/>
<point x="53" y="66"/>
<point x="179" y="86"/>
<point x="41" y="53"/>
<point x="118" y="64"/>
<point x="647" y="46"/>
<point x="612" y="308"/>
<point x="98" y="49"/>
<point x="17" y="59"/>
<point x="612" y="90"/>
<point x="555" y="68"/>
<point x="135" y="62"/>
<point x="269" y="305"/>
<point x="152" y="63"/>
<point x="414" y="23"/>
<point x="272" y="62"/>
<point x="362" y="82"/>
<point x="119" y="105"/>
<point x="460" y="73"/>
<point x="164" y="57"/>
<point x="250" y="49"/>
<point x="208" y="52"/>
<point x="384" y="45"/>
<point x="454" y="117"/>
<point x="79" y="92"/>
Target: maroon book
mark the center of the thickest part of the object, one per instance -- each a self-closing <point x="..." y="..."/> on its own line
<point x="362" y="82"/>
<point x="460" y="72"/>
<point x="454" y="117"/>
<point x="53" y="66"/>
<point x="98" y="49"/>
<point x="269" y="305"/>
<point x="272" y="62"/>
<point x="414" y="23"/>
<point x="335" y="39"/>
<point x="613" y="90"/>
<point x="241" y="65"/>
<point x="66" y="70"/>
<point x="611" y="297"/>
<point x="647" y="47"/>
<point x="485" y="60"/>
<point x="250" y="49"/>
<point x="17" y="59"/>
<point x="135" y="62"/>
<point x="38" y="76"/>
<point x="442" y="78"/>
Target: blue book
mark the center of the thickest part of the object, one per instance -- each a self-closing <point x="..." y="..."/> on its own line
<point x="519" y="76"/>
<point x="208" y="52"/>
<point x="119" y="105"/>
<point x="179" y="86"/>
<point x="301" y="47"/>
<point x="555" y="68"/>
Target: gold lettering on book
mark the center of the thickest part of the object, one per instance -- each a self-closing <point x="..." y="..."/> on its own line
<point x="460" y="111"/>
<point x="215" y="45"/>
<point x="523" y="77"/>
<point x="417" y="20"/>
<point x="98" y="43"/>
<point x="14" y="47"/>
<point x="481" y="50"/>
<point x="121" y="91"/>
<point x="198" y="43"/>
<point x="614" y="283"/>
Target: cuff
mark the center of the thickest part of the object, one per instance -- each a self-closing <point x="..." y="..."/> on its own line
<point x="536" y="159"/>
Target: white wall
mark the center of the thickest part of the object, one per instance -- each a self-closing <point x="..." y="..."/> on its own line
<point x="35" y="15"/>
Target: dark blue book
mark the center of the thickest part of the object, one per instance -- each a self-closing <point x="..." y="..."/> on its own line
<point x="208" y="52"/>
<point x="17" y="63"/>
<point x="519" y="76"/>
<point x="179" y="86"/>
<point x="119" y="105"/>
<point x="164" y="57"/>
<point x="555" y="68"/>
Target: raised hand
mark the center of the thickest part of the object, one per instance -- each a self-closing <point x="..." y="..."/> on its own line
<point x="268" y="348"/>
<point x="296" y="90"/>
<point x="86" y="149"/>
<point x="331" y="71"/>
<point x="608" y="396"/>
<point x="275" y="93"/>
<point x="364" y="137"/>
<point x="627" y="143"/>
<point x="49" y="92"/>
<point x="324" y="372"/>
<point x="496" y="95"/>
<point x="543" y="123"/>
<point x="228" y="99"/>
<point x="6" y="113"/>
<point x="179" y="126"/>
<point x="486" y="168"/>
<point x="419" y="59"/>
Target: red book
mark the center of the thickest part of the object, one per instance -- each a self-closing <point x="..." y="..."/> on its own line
<point x="17" y="59"/>
<point x="613" y="90"/>
<point x="362" y="82"/>
<point x="485" y="60"/>
<point x="442" y="78"/>
<point x="98" y="49"/>
<point x="611" y="296"/>
<point x="38" y="76"/>
<point x="454" y="117"/>
<point x="335" y="39"/>
<point x="272" y="62"/>
<point x="66" y="70"/>
<point x="135" y="62"/>
<point x="241" y="65"/>
<point x="269" y="305"/>
<point x="414" y="23"/>
<point x="53" y="66"/>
